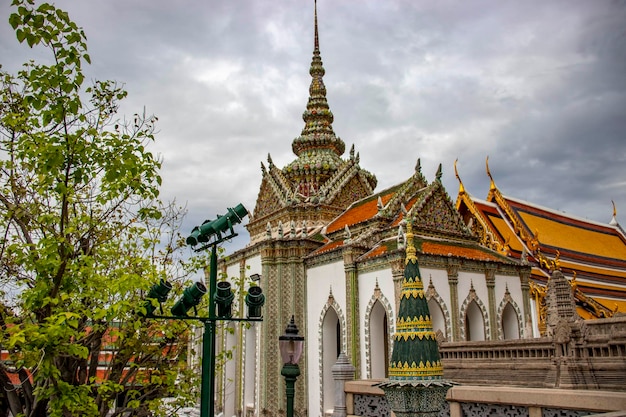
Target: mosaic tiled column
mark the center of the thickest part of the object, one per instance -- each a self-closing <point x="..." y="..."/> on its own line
<point x="283" y="283"/>
<point x="453" y="281"/>
<point x="352" y="300"/>
<point x="524" y="276"/>
<point x="490" y="277"/>
<point x="397" y="273"/>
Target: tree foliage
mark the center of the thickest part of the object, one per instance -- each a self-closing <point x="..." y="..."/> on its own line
<point x="82" y="237"/>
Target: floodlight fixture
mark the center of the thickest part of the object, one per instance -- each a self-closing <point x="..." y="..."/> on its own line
<point x="255" y="300"/>
<point x="224" y="300"/>
<point x="158" y="292"/>
<point x="215" y="228"/>
<point x="191" y="298"/>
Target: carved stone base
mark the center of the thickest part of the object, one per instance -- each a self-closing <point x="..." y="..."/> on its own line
<point x="416" y="399"/>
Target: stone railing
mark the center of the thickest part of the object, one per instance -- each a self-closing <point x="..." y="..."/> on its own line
<point x="364" y="399"/>
<point x="588" y="355"/>
<point x="579" y="371"/>
<point x="481" y="401"/>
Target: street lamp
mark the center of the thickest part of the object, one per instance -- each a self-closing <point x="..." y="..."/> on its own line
<point x="291" y="346"/>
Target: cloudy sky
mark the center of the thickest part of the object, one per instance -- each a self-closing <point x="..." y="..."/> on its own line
<point x="537" y="86"/>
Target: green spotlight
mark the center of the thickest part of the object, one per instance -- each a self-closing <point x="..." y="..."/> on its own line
<point x="255" y="300"/>
<point x="224" y="300"/>
<point x="159" y="292"/>
<point x="208" y="229"/>
<point x="191" y="297"/>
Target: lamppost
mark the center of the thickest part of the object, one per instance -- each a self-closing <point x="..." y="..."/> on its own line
<point x="291" y="346"/>
<point x="209" y="234"/>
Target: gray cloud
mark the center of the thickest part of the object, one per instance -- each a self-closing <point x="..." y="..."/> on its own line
<point x="539" y="87"/>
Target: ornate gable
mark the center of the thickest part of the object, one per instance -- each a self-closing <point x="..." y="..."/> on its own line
<point x="475" y="220"/>
<point x="434" y="212"/>
<point x="405" y="196"/>
<point x="351" y="191"/>
<point x="274" y="193"/>
<point x="267" y="202"/>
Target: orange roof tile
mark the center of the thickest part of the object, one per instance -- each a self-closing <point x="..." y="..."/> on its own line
<point x="360" y="211"/>
<point x="444" y="249"/>
<point x="377" y="251"/>
<point x="327" y="247"/>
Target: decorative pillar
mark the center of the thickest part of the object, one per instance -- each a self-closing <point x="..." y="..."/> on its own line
<point x="453" y="280"/>
<point x="524" y="276"/>
<point x="342" y="371"/>
<point x="284" y="287"/>
<point x="397" y="273"/>
<point x="490" y="277"/>
<point x="352" y="305"/>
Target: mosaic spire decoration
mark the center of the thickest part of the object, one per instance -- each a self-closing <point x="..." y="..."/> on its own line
<point x="415" y="387"/>
<point x="415" y="352"/>
<point x="318" y="149"/>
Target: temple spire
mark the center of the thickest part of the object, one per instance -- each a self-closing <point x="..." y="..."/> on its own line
<point x="318" y="131"/>
<point x="316" y="46"/>
<point x="317" y="147"/>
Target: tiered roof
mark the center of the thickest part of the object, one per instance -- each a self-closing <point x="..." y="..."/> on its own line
<point x="439" y="230"/>
<point x="592" y="255"/>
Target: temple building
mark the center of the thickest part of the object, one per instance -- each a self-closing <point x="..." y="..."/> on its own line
<point x="591" y="255"/>
<point x="330" y="251"/>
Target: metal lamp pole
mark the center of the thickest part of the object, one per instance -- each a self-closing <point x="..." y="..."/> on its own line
<point x="207" y="389"/>
<point x="290" y="371"/>
<point x="205" y="233"/>
<point x="291" y="346"/>
<point x="209" y="230"/>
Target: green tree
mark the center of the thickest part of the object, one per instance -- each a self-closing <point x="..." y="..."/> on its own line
<point x="83" y="235"/>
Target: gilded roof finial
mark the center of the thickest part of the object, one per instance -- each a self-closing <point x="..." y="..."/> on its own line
<point x="614" y="208"/>
<point x="492" y="185"/>
<point x="613" y="221"/>
<point x="411" y="253"/>
<point x="456" y="174"/>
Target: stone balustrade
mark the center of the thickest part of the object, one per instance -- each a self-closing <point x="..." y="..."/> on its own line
<point x="587" y="355"/>
<point x="580" y="370"/>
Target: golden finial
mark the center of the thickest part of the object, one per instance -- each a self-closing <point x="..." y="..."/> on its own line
<point x="614" y="209"/>
<point x="492" y="185"/>
<point x="573" y="283"/>
<point x="456" y="174"/>
<point x="410" y="247"/>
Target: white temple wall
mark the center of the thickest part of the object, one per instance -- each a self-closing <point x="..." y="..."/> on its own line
<point x="440" y="282"/>
<point x="469" y="279"/>
<point x="228" y="385"/>
<point x="367" y="293"/>
<point x="321" y="281"/>
<point x="514" y="287"/>
<point x="441" y="318"/>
